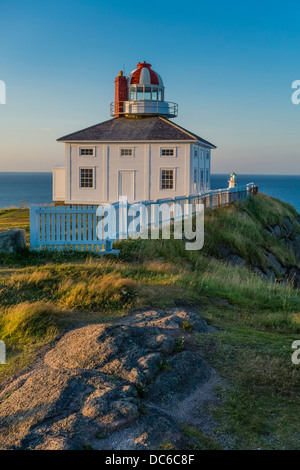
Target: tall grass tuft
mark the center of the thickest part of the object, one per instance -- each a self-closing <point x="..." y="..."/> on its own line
<point x="107" y="292"/>
<point x="27" y="323"/>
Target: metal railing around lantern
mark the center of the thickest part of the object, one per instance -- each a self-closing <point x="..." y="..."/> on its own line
<point x="144" y="107"/>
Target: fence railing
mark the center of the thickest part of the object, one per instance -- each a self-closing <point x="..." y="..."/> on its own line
<point x="77" y="228"/>
<point x="67" y="228"/>
<point x="150" y="215"/>
<point x="148" y="107"/>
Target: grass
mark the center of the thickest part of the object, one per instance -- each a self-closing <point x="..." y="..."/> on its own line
<point x="260" y="404"/>
<point x="269" y="211"/>
<point x="14" y="218"/>
<point x="166" y="446"/>
<point x="28" y="323"/>
<point x="179" y="345"/>
<point x="43" y="294"/>
<point x="187" y="326"/>
<point x="197" y="440"/>
<point x="243" y="231"/>
<point x="164" y="365"/>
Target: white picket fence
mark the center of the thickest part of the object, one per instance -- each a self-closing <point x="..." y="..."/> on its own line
<point x="74" y="228"/>
<point x="66" y="228"/>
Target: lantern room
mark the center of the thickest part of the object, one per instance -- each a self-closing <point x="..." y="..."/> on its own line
<point x="141" y="93"/>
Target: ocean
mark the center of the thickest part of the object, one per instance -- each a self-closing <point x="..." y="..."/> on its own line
<point x="17" y="189"/>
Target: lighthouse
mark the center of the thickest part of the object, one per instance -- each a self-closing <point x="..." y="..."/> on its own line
<point x="141" y="94"/>
<point x="140" y="153"/>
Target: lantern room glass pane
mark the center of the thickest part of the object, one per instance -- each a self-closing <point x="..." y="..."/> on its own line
<point x="161" y="94"/>
<point x="132" y="93"/>
<point x="154" y="94"/>
<point x="147" y="93"/>
<point x="140" y="93"/>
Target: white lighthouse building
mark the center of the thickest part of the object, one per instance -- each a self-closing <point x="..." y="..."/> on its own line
<point x="139" y="153"/>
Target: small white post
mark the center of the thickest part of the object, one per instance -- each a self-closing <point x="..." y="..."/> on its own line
<point x="123" y="218"/>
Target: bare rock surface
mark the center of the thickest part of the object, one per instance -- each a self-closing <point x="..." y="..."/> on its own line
<point x="12" y="240"/>
<point x="112" y="386"/>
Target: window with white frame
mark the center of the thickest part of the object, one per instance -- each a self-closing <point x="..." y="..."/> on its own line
<point x="167" y="152"/>
<point x="126" y="152"/>
<point x="195" y="178"/>
<point x="87" y="151"/>
<point x="207" y="182"/>
<point x="207" y="154"/>
<point x="201" y="180"/>
<point x="86" y="177"/>
<point x="195" y="153"/>
<point x="167" y="179"/>
<point x="202" y="154"/>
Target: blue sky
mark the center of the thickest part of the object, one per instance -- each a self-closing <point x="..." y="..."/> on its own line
<point x="229" y="65"/>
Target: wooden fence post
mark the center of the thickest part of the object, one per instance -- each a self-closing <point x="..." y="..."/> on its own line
<point x="33" y="226"/>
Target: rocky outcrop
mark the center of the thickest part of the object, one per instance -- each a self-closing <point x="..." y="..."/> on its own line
<point x="12" y="240"/>
<point x="289" y="236"/>
<point x="109" y="386"/>
<point x="295" y="245"/>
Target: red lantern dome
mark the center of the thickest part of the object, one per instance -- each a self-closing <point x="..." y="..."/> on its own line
<point x="144" y="75"/>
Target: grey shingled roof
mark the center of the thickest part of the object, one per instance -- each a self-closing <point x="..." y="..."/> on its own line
<point x="129" y="129"/>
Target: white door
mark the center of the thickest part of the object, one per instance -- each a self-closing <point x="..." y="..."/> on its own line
<point x="126" y="185"/>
